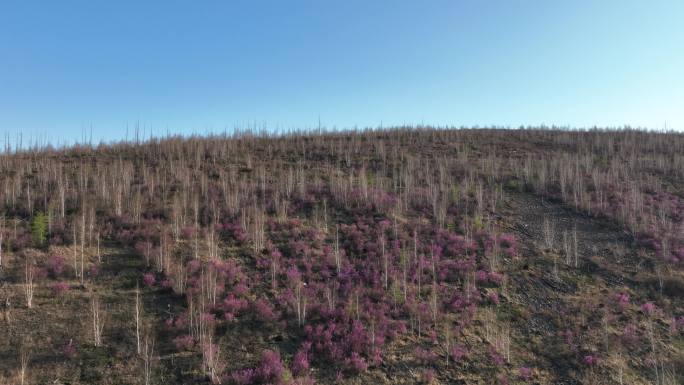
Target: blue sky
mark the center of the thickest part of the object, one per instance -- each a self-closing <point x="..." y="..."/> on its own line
<point x="199" y="66"/>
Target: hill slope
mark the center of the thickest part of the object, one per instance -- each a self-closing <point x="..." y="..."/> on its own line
<point x="396" y="256"/>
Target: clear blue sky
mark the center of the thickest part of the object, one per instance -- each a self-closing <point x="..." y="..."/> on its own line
<point x="197" y="66"/>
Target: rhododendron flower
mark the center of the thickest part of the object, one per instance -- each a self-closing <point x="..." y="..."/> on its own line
<point x="458" y="352"/>
<point x="525" y="373"/>
<point x="39" y="273"/>
<point x="69" y="350"/>
<point x="495" y="278"/>
<point x="59" y="289"/>
<point x="263" y="311"/>
<point x="494" y="297"/>
<point x="184" y="342"/>
<point x="496" y="357"/>
<point x="188" y="232"/>
<point x="181" y="321"/>
<point x="356" y="362"/>
<point x="271" y="367"/>
<point x="243" y="376"/>
<point x="149" y="279"/>
<point x="428" y="376"/>
<point x="208" y="318"/>
<point x="94" y="270"/>
<point x="590" y="360"/>
<point x="622" y="301"/>
<point x="648" y="308"/>
<point x="56" y="265"/>
<point x="193" y="266"/>
<point x="629" y="334"/>
<point x="424" y="356"/>
<point x="300" y="362"/>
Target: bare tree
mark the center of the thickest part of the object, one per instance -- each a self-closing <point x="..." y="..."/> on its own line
<point x="2" y="237"/>
<point x="211" y="357"/>
<point x="7" y="309"/>
<point x="83" y="234"/>
<point x="575" y="247"/>
<point x="337" y="248"/>
<point x="98" y="318"/>
<point x="549" y="233"/>
<point x="28" y="283"/>
<point x="148" y="359"/>
<point x="567" y="248"/>
<point x="137" y="318"/>
<point x="385" y="262"/>
<point x="24" y="360"/>
<point x="300" y="304"/>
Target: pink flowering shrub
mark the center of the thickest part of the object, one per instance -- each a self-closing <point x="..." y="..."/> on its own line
<point x="424" y="357"/>
<point x="458" y="353"/>
<point x="648" y="308"/>
<point x="271" y="368"/>
<point x="495" y="278"/>
<point x="234" y="231"/>
<point x="233" y="307"/>
<point x="502" y="379"/>
<point x="300" y="362"/>
<point x="56" y="264"/>
<point x="264" y="312"/>
<point x="525" y="373"/>
<point x="629" y="335"/>
<point x="507" y="244"/>
<point x="496" y="357"/>
<point x="493" y="297"/>
<point x="569" y="339"/>
<point x="184" y="342"/>
<point x="246" y="376"/>
<point x="428" y="376"/>
<point x="677" y="325"/>
<point x="149" y="279"/>
<point x="188" y="232"/>
<point x="59" y="289"/>
<point x="39" y="273"/>
<point x="621" y="301"/>
<point x="69" y="350"/>
<point x="94" y="270"/>
<point x="356" y="363"/>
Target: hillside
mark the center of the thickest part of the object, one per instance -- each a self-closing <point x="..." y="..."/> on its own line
<point x="406" y="255"/>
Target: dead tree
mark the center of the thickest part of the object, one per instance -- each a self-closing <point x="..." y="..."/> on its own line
<point x="28" y="283"/>
<point x="24" y="360"/>
<point x="2" y="237"/>
<point x="98" y="318"/>
<point x="137" y="318"/>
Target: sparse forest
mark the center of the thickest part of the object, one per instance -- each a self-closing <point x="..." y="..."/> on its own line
<point x="404" y="255"/>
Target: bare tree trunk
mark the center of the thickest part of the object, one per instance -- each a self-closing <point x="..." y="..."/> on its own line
<point x="137" y="318"/>
<point x="28" y="283"/>
<point x="82" y="244"/>
<point x="385" y="262"/>
<point x="2" y="237"/>
<point x="148" y="356"/>
<point x="337" y="249"/>
<point x="99" y="257"/>
<point x="24" y="360"/>
<point x="98" y="320"/>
